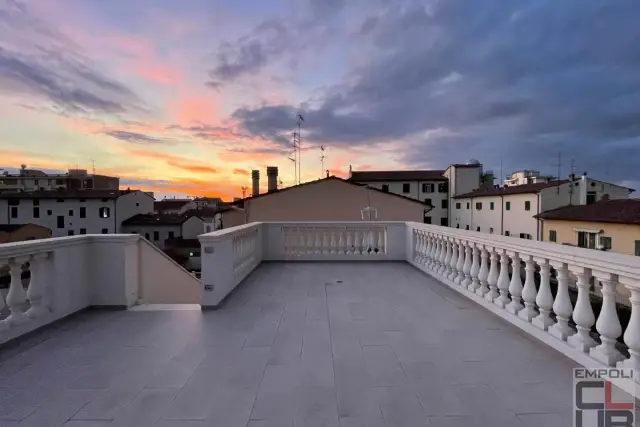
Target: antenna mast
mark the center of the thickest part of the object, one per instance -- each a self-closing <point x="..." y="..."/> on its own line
<point x="321" y="160"/>
<point x="294" y="159"/>
<point x="300" y="119"/>
<point x="559" y="165"/>
<point x="93" y="164"/>
<point x="572" y="176"/>
<point x="244" y="189"/>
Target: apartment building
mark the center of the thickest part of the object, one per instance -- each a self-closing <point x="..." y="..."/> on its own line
<point x="68" y="213"/>
<point x="526" y="176"/>
<point x="160" y="228"/>
<point x="511" y="211"/>
<point x="607" y="225"/>
<point x="37" y="180"/>
<point x="432" y="187"/>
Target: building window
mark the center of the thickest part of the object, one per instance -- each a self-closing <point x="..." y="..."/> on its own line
<point x="146" y="236"/>
<point x="444" y="222"/>
<point x="70" y="212"/>
<point x="36" y="202"/>
<point x="637" y="248"/>
<point x="478" y="206"/>
<point x="428" y="188"/>
<point x="104" y="212"/>
<point x="553" y="237"/>
<point x="457" y="225"/>
<point x="36" y="212"/>
<point x="406" y="187"/>
<point x="105" y="200"/>
<point x="105" y="231"/>
<point x="445" y="204"/>
<point x="491" y="205"/>
<point x="83" y="212"/>
<point x="60" y="201"/>
<point x="428" y="202"/>
<point x="14" y="202"/>
<point x="591" y="197"/>
<point x="137" y="204"/>
<point x="171" y="234"/>
<point x="458" y="205"/>
<point x="60" y="220"/>
<point x="14" y="212"/>
<point x="468" y="205"/>
<point x="443" y="187"/>
<point x="207" y="229"/>
<point x="156" y="235"/>
<point x="427" y="220"/>
<point x="59" y="181"/>
<point x="70" y="233"/>
<point x="523" y="236"/>
<point x="83" y="231"/>
<point x="478" y="229"/>
<point x="49" y="212"/>
<point x="506" y="233"/>
<point x="385" y="188"/>
<point x="83" y="200"/>
<point x="507" y="206"/>
<point x="587" y="240"/>
<point x="467" y="227"/>
<point x="490" y="230"/>
<point x="605" y="242"/>
<point x="527" y="205"/>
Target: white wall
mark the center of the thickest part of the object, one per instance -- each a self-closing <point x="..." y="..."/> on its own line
<point x="467" y="179"/>
<point x="132" y="204"/>
<point x="517" y="220"/>
<point x="192" y="228"/>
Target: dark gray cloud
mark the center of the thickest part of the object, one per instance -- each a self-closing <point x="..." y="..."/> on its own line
<point x="492" y="79"/>
<point x="137" y="138"/>
<point x="38" y="61"/>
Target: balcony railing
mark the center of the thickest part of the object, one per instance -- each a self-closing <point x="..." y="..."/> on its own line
<point x="53" y="278"/>
<point x="510" y="277"/>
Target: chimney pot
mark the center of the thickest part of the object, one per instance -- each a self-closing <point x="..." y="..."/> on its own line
<point x="272" y="178"/>
<point x="255" y="180"/>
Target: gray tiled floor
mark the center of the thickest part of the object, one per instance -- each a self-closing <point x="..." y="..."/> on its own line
<point x="299" y="344"/>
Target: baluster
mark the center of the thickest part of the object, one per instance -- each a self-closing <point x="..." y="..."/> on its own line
<point x="310" y="240"/>
<point x="17" y="297"/>
<point x="382" y="241"/>
<point x="544" y="299"/>
<point x="444" y="266"/>
<point x="492" y="277"/>
<point x="420" y="246"/>
<point x="302" y="245"/>
<point x="375" y="247"/>
<point x="483" y="274"/>
<point x="325" y="241"/>
<point x="475" y="268"/>
<point x="453" y="264"/>
<point x="433" y="253"/>
<point x="344" y="242"/>
<point x="632" y="333"/>
<point x="562" y="306"/>
<point x="3" y="324"/>
<point x="582" y="313"/>
<point x="460" y="265"/>
<point x="515" y="286"/>
<point x="503" y="281"/>
<point x="333" y="250"/>
<point x="439" y="254"/>
<point x="529" y="291"/>
<point x="416" y="245"/>
<point x="318" y="240"/>
<point x="608" y="324"/>
<point x="357" y="241"/>
<point x="468" y="255"/>
<point x="366" y="242"/>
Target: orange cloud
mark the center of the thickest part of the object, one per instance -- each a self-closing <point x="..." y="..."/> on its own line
<point x="193" y="168"/>
<point x="240" y="172"/>
<point x="187" y="109"/>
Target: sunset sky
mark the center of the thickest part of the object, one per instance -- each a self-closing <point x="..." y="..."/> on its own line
<point x="186" y="97"/>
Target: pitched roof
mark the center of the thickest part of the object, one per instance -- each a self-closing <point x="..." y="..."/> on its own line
<point x="11" y="227"/>
<point x="241" y="201"/>
<point x="415" y="175"/>
<point x="68" y="194"/>
<point x="157" y="219"/>
<point x="169" y="204"/>
<point x="179" y="242"/>
<point x="515" y="189"/>
<point x="622" y="211"/>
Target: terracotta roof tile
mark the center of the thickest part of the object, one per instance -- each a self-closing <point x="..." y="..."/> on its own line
<point x="415" y="175"/>
<point x="622" y="211"/>
<point x="516" y="189"/>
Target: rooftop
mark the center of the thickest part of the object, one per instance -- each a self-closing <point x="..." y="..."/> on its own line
<point x="623" y="211"/>
<point x="414" y="175"/>
<point x="516" y="189"/>
<point x="342" y="344"/>
<point x="157" y="219"/>
<point x="68" y="194"/>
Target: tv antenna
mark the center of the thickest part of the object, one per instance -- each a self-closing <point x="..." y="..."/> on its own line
<point x="321" y="160"/>
<point x="559" y="165"/>
<point x="244" y="189"/>
<point x="299" y="120"/>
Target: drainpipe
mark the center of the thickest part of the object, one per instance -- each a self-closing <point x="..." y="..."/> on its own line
<point x="471" y="225"/>
<point x="502" y="215"/>
<point x="537" y="220"/>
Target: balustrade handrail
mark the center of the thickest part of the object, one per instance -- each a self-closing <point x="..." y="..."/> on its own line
<point x="614" y="263"/>
<point x="31" y="247"/>
<point x="219" y="235"/>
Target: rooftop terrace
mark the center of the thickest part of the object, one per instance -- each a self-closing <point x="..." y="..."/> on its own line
<point x="402" y="324"/>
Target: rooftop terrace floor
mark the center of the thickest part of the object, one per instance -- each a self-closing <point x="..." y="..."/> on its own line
<point x="298" y="344"/>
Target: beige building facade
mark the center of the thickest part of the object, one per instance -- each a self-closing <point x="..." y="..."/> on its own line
<point x="328" y="199"/>
<point x="620" y="238"/>
<point x="10" y="233"/>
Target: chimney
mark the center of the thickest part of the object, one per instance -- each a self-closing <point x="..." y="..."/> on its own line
<point x="272" y="178"/>
<point x="255" y="180"/>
